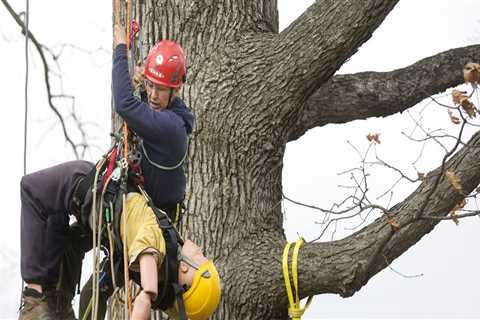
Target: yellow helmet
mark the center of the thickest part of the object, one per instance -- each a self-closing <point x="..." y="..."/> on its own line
<point x="203" y="297"/>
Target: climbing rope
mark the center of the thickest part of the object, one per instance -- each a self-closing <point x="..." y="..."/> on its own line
<point x="27" y="19"/>
<point x="294" y="310"/>
<point x="118" y="152"/>
<point x="129" y="10"/>
<point x="116" y="11"/>
<point x="96" y="255"/>
<point x="140" y="21"/>
<point x="127" y="301"/>
<point x="25" y="131"/>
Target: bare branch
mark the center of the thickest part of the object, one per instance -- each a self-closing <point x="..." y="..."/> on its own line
<point x="399" y="273"/>
<point x="348" y="264"/>
<point x="40" y="48"/>
<point x="458" y="216"/>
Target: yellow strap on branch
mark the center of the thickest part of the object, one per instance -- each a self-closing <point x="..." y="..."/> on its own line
<point x="294" y="310"/>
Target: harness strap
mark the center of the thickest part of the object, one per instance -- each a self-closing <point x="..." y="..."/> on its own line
<point x="162" y="218"/>
<point x="294" y="310"/>
<point x="80" y="192"/>
<point x="179" y="291"/>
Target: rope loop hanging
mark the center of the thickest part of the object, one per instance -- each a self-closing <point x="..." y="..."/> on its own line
<point x="294" y="310"/>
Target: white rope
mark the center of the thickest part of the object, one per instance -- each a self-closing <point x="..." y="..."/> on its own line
<point x="25" y="131"/>
<point x="93" y="215"/>
<point x="27" y="20"/>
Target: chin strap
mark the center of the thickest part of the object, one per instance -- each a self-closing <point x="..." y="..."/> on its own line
<point x="179" y="291"/>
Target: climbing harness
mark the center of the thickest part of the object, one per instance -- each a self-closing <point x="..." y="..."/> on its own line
<point x="294" y="310"/>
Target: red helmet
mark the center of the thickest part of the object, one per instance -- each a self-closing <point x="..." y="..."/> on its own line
<point x="165" y="64"/>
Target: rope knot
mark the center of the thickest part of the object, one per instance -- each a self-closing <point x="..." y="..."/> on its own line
<point x="296" y="313"/>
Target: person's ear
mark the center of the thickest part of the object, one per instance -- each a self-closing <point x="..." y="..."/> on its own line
<point x="183" y="267"/>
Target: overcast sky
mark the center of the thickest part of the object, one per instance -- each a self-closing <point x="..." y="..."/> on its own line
<point x="447" y="259"/>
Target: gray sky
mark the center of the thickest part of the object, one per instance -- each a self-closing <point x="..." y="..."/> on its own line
<point x="447" y="258"/>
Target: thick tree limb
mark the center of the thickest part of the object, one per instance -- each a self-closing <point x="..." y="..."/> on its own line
<point x="344" y="266"/>
<point x="314" y="46"/>
<point x="376" y="94"/>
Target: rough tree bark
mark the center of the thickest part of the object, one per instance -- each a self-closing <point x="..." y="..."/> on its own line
<point x="252" y="90"/>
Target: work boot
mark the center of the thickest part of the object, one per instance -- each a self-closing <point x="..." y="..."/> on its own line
<point x="60" y="304"/>
<point x="35" y="306"/>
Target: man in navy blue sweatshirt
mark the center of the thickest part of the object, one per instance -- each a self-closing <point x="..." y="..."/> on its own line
<point x="163" y="123"/>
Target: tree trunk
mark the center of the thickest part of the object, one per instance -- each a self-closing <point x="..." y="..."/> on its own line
<point x="252" y="90"/>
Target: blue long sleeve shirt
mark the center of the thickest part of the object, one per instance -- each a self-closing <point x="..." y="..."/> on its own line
<point x="164" y="134"/>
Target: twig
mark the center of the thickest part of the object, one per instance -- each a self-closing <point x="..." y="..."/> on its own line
<point x="459" y="216"/>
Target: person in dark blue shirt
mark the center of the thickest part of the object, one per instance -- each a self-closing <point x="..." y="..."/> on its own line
<point x="162" y="123"/>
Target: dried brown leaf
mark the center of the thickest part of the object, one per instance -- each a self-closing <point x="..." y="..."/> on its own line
<point x="471" y="73"/>
<point x="453" y="118"/>
<point x="454" y="217"/>
<point x="392" y="221"/>
<point x="469" y="108"/>
<point x="459" y="98"/>
<point x="374" y="137"/>
<point x="457" y="207"/>
<point x="454" y="180"/>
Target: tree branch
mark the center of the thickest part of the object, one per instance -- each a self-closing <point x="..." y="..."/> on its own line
<point x="344" y="266"/>
<point x="46" y="69"/>
<point x="373" y="94"/>
<point x="312" y="48"/>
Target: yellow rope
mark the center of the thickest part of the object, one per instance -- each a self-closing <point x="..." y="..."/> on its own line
<point x="125" y="140"/>
<point x="177" y="215"/>
<point x="294" y="310"/>
<point x="89" y="309"/>
<point x="129" y="19"/>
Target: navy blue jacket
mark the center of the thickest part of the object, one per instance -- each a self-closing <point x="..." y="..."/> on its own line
<point x="164" y="134"/>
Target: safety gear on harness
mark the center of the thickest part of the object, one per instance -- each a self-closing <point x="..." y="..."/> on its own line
<point x="165" y="64"/>
<point x="203" y="296"/>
